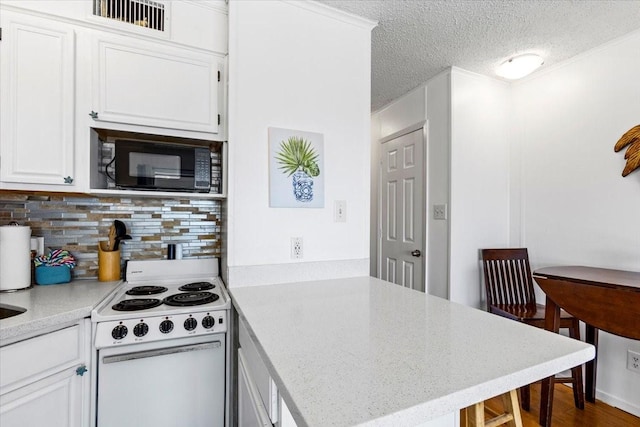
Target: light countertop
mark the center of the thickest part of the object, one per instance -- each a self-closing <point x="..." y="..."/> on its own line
<point x="361" y="351"/>
<point x="51" y="305"/>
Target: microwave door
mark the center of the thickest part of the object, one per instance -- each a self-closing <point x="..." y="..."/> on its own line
<point x="160" y="171"/>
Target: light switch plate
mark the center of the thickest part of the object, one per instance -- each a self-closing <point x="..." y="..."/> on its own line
<point x="340" y="211"/>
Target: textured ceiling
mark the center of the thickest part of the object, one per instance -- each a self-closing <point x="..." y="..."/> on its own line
<point x="415" y="40"/>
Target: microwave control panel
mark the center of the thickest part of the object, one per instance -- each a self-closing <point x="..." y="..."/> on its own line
<point x="202" y="172"/>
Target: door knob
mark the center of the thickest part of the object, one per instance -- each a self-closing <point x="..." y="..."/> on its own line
<point x="416" y="253"/>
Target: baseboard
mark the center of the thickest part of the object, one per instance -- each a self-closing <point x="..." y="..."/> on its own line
<point x="618" y="403"/>
<point x="609" y="399"/>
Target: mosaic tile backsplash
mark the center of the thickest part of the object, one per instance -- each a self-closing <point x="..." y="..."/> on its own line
<point x="77" y="223"/>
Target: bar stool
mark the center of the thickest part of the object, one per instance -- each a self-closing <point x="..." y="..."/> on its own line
<point x="474" y="415"/>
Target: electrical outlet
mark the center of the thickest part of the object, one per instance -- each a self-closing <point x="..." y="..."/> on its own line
<point x="296" y="248"/>
<point x="340" y="211"/>
<point x="633" y="361"/>
<point x="440" y="211"/>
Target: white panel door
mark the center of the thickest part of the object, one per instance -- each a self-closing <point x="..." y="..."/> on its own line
<point x="402" y="189"/>
<point x="151" y="84"/>
<point x="37" y="102"/>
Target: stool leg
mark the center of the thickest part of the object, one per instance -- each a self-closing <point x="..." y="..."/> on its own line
<point x="473" y="415"/>
<point x="510" y="401"/>
<point x="525" y="397"/>
<point x="576" y="373"/>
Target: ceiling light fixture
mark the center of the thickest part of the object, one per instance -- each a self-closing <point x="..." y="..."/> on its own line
<point x="519" y="66"/>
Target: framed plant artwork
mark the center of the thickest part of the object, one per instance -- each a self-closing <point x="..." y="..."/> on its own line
<point x="296" y="169"/>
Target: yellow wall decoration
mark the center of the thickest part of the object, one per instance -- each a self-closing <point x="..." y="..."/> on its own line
<point x="632" y="139"/>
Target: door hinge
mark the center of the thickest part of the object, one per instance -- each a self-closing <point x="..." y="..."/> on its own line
<point x="218" y="73"/>
<point x="218" y="119"/>
<point x="1" y="39"/>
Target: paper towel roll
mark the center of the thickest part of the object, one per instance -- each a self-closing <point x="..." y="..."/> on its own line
<point x="15" y="257"/>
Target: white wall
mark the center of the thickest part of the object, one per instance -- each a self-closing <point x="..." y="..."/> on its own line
<point x="297" y="65"/>
<point x="480" y="128"/>
<point x="576" y="208"/>
<point x="438" y="174"/>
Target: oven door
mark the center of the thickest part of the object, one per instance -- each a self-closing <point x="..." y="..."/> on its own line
<point x="163" y="384"/>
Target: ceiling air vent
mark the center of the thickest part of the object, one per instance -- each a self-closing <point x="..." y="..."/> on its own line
<point x="144" y="13"/>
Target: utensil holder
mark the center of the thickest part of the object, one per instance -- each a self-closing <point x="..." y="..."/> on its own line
<point x="108" y="264"/>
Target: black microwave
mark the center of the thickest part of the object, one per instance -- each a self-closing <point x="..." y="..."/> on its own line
<point x="154" y="166"/>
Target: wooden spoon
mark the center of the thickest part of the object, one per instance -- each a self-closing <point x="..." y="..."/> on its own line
<point x="112" y="237"/>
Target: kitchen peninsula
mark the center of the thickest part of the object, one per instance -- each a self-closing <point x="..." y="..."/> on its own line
<point x="361" y="351"/>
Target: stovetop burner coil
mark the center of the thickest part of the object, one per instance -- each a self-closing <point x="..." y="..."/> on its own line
<point x="146" y="290"/>
<point x="197" y="286"/>
<point x="136" y="304"/>
<point x="191" y="298"/>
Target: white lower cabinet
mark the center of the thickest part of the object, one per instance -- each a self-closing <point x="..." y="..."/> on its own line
<point x="44" y="379"/>
<point x="53" y="402"/>
<point x="251" y="411"/>
<point x="37" y="82"/>
<point x="259" y="403"/>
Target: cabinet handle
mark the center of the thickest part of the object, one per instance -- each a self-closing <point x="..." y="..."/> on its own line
<point x="68" y="180"/>
<point x="81" y="370"/>
<point x="93" y="114"/>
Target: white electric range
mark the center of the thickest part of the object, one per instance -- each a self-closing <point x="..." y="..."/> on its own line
<point x="160" y="347"/>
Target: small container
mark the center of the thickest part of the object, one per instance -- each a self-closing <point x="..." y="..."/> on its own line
<point x="53" y="275"/>
<point x="108" y="264"/>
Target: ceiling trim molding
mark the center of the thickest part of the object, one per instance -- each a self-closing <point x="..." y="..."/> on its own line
<point x="458" y="70"/>
<point x="331" y="12"/>
<point x="580" y="56"/>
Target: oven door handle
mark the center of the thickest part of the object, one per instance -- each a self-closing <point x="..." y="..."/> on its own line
<point x="159" y="352"/>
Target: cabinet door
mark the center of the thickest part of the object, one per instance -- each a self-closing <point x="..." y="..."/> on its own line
<point x="55" y="401"/>
<point x="251" y="411"/>
<point x="151" y="84"/>
<point x="37" y="105"/>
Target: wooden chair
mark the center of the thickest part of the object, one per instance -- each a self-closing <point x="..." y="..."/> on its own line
<point x="510" y="294"/>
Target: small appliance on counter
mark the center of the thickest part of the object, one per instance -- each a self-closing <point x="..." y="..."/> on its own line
<point x="15" y="257"/>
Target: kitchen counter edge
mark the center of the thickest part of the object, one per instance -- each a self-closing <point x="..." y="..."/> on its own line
<point x="51" y="306"/>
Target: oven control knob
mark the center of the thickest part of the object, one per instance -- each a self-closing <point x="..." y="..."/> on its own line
<point x="208" y="322"/>
<point x="119" y="332"/>
<point x="190" y="324"/>
<point x="166" y="326"/>
<point x="140" y="329"/>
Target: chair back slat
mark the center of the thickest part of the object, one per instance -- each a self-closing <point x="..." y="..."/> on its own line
<point x="507" y="277"/>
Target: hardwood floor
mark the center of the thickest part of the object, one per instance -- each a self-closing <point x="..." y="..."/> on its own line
<point x="565" y="414"/>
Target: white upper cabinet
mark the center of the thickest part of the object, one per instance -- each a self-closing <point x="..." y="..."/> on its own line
<point x="197" y="23"/>
<point x="68" y="66"/>
<point x="37" y="104"/>
<point x="150" y="84"/>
